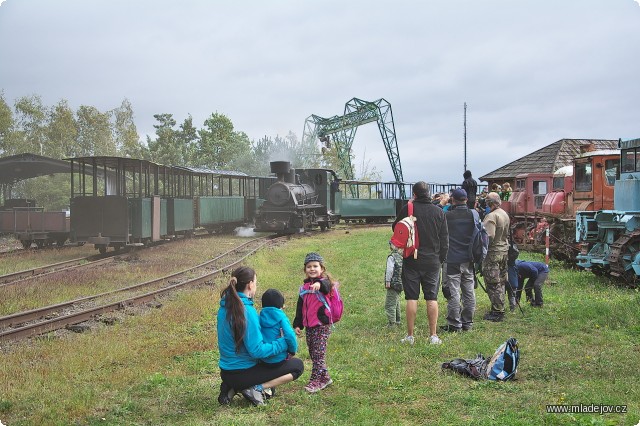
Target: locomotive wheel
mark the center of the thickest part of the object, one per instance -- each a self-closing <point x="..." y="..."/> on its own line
<point x="323" y="226"/>
<point x="60" y="243"/>
<point x="26" y="244"/>
<point x="102" y="249"/>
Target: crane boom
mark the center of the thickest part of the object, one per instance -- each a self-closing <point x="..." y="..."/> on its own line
<point x="341" y="130"/>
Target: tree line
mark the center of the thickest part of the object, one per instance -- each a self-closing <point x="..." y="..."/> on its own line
<point x="60" y="132"/>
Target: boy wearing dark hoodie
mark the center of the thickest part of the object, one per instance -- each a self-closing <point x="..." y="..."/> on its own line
<point x="275" y="324"/>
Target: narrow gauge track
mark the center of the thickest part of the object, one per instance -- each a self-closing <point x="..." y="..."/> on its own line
<point x="82" y="262"/>
<point x="19" y="251"/>
<point x="40" y="271"/>
<point x="54" y="317"/>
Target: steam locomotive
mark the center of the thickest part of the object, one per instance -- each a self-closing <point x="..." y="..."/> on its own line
<point x="300" y="199"/>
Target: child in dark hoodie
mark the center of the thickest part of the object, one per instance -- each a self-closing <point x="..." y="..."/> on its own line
<point x="275" y="324"/>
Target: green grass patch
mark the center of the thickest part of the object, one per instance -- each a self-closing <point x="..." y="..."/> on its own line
<point x="161" y="367"/>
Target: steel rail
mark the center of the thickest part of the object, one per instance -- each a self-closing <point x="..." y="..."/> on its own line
<point x="40" y="271"/>
<point x="77" y="317"/>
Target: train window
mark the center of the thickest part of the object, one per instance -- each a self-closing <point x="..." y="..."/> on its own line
<point x="520" y="185"/>
<point x="611" y="171"/>
<point x="558" y="183"/>
<point x="583" y="176"/>
<point x="539" y="187"/>
<point x="628" y="159"/>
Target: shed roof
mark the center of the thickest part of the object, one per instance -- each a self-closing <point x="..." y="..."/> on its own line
<point x="19" y="167"/>
<point x="548" y="159"/>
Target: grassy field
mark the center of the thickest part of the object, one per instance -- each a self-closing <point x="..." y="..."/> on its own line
<point x="161" y="367"/>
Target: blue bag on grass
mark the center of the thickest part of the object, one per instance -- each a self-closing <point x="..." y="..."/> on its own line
<point x="503" y="365"/>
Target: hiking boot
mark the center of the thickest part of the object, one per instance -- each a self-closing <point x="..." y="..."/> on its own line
<point x="467" y="327"/>
<point x="494" y="316"/>
<point x="253" y="395"/>
<point x="408" y="339"/>
<point x="536" y="305"/>
<point x="435" y="340"/>
<point x="226" y="394"/>
<point x="450" y="329"/>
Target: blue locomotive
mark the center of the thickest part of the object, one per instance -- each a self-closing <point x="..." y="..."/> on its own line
<point x="610" y="239"/>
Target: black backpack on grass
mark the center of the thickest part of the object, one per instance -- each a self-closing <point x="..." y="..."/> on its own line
<point x="502" y="366"/>
<point x="474" y="368"/>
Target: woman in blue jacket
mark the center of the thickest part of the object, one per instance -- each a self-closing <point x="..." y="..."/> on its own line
<point x="241" y="345"/>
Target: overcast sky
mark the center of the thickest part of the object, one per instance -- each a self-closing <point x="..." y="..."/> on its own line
<point x="531" y="72"/>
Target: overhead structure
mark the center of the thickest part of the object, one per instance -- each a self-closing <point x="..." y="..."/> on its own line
<point x="341" y="131"/>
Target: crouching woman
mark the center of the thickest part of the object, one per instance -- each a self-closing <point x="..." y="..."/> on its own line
<point x="241" y="345"/>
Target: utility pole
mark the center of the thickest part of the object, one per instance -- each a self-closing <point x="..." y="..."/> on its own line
<point x="465" y="137"/>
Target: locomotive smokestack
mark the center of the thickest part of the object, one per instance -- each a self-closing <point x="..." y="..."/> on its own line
<point x="281" y="169"/>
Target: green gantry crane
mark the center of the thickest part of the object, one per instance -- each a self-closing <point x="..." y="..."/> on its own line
<point x="341" y="130"/>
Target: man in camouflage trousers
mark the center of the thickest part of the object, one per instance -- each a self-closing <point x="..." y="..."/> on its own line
<point x="494" y="266"/>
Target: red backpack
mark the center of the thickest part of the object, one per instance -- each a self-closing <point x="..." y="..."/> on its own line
<point x="405" y="234"/>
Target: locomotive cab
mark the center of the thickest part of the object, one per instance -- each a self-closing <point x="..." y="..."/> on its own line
<point x="529" y="193"/>
<point x="594" y="179"/>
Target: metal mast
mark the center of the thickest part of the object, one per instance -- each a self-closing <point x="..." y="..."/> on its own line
<point x="465" y="137"/>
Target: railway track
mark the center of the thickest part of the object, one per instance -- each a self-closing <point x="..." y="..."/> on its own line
<point x="46" y="319"/>
<point x="40" y="271"/>
<point x="89" y="261"/>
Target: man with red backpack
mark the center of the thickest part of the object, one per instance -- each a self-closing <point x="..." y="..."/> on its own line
<point x="423" y="270"/>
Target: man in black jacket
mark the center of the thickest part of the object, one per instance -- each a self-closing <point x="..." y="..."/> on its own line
<point x="471" y="187"/>
<point x="431" y="227"/>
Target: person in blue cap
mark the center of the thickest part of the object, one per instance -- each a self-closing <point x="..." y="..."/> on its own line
<point x="458" y="285"/>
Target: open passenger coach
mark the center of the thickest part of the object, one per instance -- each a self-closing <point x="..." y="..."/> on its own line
<point x="118" y="201"/>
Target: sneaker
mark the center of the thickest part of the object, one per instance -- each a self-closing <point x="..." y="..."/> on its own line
<point x="435" y="340"/>
<point x="494" y="316"/>
<point x="226" y="394"/>
<point x="313" y="387"/>
<point x="325" y="384"/>
<point x="269" y="392"/>
<point x="450" y="329"/>
<point x="253" y="395"/>
<point x="408" y="339"/>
